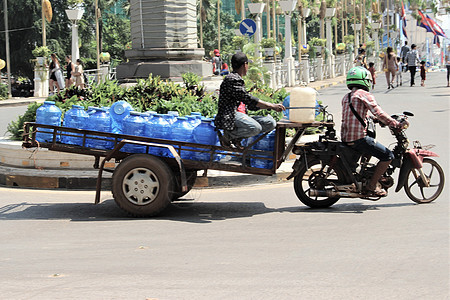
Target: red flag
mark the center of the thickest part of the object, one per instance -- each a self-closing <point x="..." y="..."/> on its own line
<point x="435" y="27"/>
<point x="403" y="10"/>
<point x="424" y="23"/>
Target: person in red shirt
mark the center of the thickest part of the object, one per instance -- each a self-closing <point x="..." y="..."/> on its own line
<point x="423" y="73"/>
<point x="354" y="132"/>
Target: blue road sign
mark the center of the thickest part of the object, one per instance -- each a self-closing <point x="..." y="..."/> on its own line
<point x="247" y="27"/>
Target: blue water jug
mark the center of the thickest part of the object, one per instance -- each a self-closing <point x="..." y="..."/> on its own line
<point x="193" y="120"/>
<point x="99" y="120"/>
<point x="91" y="110"/>
<point x="148" y="115"/>
<point x="169" y="118"/>
<point x="76" y="117"/>
<point x="48" y="114"/>
<point x="173" y="113"/>
<point x="118" y="112"/>
<point x="157" y="127"/>
<point x="182" y="131"/>
<point x="134" y="124"/>
<point x="267" y="144"/>
<point x="205" y="134"/>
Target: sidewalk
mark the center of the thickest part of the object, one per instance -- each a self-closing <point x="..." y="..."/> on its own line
<point x="21" y="168"/>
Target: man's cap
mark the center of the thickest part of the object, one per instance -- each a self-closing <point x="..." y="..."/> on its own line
<point x="238" y="59"/>
<point x="216" y="52"/>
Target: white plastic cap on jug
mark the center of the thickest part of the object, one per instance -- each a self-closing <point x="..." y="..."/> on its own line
<point x="305" y="98"/>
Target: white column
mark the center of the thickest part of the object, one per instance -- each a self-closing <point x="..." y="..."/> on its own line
<point x="330" y="61"/>
<point x="258" y="35"/>
<point x="305" y="68"/>
<point x="75" y="47"/>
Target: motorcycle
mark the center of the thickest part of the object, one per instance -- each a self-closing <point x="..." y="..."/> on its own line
<point x="328" y="170"/>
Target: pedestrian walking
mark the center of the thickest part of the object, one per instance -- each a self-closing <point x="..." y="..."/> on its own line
<point x="70" y="67"/>
<point x="78" y="74"/>
<point x="447" y="63"/>
<point x="56" y="77"/>
<point x="390" y="66"/>
<point x="422" y="72"/>
<point x="403" y="52"/>
<point x="373" y="73"/>
<point x="360" y="60"/>
<point x="412" y="58"/>
<point x="216" y="62"/>
<point x="399" y="71"/>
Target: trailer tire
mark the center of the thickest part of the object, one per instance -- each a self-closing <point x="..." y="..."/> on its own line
<point x="142" y="185"/>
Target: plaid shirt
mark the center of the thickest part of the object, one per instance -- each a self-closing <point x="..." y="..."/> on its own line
<point x="362" y="101"/>
<point x="232" y="93"/>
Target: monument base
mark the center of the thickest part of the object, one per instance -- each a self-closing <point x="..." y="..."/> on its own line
<point x="133" y="70"/>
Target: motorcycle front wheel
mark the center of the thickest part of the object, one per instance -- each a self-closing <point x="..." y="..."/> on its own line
<point x="319" y="177"/>
<point x="417" y="190"/>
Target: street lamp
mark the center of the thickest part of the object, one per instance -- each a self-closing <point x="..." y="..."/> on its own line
<point x="74" y="16"/>
<point x="257" y="8"/>
<point x="287" y="7"/>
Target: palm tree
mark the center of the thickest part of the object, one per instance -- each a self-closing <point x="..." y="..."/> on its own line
<point x="205" y="8"/>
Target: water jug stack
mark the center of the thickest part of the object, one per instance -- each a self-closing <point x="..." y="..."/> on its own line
<point x="118" y="112"/>
<point x="76" y="117"/>
<point x="134" y="124"/>
<point x="182" y="131"/>
<point x="204" y="134"/>
<point x="267" y="143"/>
<point x="157" y="127"/>
<point x="99" y="120"/>
<point x="48" y="114"/>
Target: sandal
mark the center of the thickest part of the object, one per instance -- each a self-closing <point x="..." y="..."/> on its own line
<point x="377" y="193"/>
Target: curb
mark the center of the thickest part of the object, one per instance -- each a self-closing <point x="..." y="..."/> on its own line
<point x="21" y="101"/>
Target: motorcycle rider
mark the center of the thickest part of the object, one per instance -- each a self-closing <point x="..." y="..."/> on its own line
<point x="354" y="134"/>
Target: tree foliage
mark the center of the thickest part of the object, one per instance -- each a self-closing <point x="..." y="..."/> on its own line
<point x="25" y="32"/>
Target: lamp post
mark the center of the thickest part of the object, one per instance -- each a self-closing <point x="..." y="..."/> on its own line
<point x="287" y="7"/>
<point x="330" y="12"/>
<point x="257" y="8"/>
<point x="74" y="16"/>
<point x="8" y="60"/>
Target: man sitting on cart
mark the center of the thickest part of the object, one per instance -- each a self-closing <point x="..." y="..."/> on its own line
<point x="238" y="125"/>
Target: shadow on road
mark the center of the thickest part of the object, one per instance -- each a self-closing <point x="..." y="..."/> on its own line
<point x="181" y="211"/>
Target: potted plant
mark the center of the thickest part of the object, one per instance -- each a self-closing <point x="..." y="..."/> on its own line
<point x="268" y="44"/>
<point x="256" y="7"/>
<point x="318" y="44"/>
<point x="331" y="8"/>
<point x="340" y="48"/>
<point x="41" y="53"/>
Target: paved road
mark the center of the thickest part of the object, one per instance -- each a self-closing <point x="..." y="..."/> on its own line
<point x="257" y="242"/>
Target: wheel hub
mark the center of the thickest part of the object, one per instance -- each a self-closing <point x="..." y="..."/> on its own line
<point x="140" y="186"/>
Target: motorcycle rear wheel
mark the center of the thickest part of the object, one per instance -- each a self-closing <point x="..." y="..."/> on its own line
<point x="415" y="187"/>
<point x="316" y="177"/>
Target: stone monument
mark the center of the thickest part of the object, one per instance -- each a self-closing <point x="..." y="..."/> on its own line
<point x="164" y="41"/>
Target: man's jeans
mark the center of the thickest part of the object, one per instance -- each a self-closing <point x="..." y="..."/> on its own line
<point x="246" y="126"/>
<point x="412" y="69"/>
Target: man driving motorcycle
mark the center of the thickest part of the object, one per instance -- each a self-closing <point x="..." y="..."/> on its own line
<point x="355" y="108"/>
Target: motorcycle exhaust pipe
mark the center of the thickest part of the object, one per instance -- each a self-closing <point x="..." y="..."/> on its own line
<point x="332" y="193"/>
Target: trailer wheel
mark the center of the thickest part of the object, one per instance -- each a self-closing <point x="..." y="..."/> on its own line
<point x="142" y="185"/>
